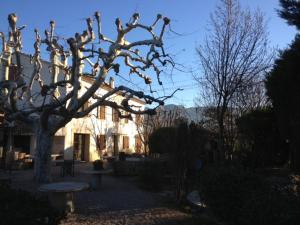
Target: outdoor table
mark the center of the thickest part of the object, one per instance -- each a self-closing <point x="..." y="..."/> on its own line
<point x="96" y="177"/>
<point x="61" y="194"/>
<point x="67" y="167"/>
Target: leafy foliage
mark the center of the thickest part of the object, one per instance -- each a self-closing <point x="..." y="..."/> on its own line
<point x="259" y="142"/>
<point x="290" y="11"/>
<point x="238" y="197"/>
<point x="283" y="89"/>
<point x="162" y="140"/>
<point x="186" y="146"/>
<point x="165" y="139"/>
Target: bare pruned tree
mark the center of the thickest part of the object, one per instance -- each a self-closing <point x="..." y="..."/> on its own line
<point x="150" y="123"/>
<point x="234" y="54"/>
<point x="61" y="95"/>
<point x="251" y="97"/>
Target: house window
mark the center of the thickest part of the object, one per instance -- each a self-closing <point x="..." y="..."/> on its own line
<point x="115" y="115"/>
<point x="138" y="144"/>
<point x="125" y="142"/>
<point x="101" y="142"/>
<point x="101" y="112"/>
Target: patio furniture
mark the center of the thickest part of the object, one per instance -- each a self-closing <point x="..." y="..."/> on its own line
<point x="61" y="194"/>
<point x="96" y="177"/>
<point x="29" y="161"/>
<point x="21" y="155"/>
<point x="67" y="168"/>
<point x="56" y="157"/>
<point x="29" y="158"/>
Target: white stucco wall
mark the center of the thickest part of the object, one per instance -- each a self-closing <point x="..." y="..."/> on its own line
<point x="90" y="125"/>
<point x="93" y="126"/>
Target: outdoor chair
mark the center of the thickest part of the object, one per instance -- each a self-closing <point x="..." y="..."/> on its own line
<point x="67" y="168"/>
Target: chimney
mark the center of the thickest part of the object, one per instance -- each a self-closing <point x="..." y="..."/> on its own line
<point x="112" y="82"/>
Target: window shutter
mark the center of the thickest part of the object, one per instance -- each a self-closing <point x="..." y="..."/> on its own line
<point x="115" y="115"/>
<point x="125" y="142"/>
<point x="126" y="119"/>
<point x="138" y="144"/>
<point x="101" y="112"/>
<point x="101" y="142"/>
<point x="98" y="142"/>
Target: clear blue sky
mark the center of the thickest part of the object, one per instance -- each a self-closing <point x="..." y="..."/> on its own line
<point x="188" y="17"/>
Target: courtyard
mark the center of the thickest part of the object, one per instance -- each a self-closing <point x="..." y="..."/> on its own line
<point x="118" y="200"/>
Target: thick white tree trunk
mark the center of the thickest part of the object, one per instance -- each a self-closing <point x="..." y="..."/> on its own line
<point x="42" y="167"/>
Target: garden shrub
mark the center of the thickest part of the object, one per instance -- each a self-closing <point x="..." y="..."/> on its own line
<point x="126" y="168"/>
<point x="259" y="143"/>
<point x="151" y="175"/>
<point x="163" y="140"/>
<point x="185" y="145"/>
<point x="271" y="207"/>
<point x="243" y="198"/>
<point x="22" y="208"/>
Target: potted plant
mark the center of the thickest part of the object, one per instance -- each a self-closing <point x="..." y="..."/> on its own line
<point x="122" y="156"/>
<point x="98" y="164"/>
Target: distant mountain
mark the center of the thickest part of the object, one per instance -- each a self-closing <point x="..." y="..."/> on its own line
<point x="195" y="114"/>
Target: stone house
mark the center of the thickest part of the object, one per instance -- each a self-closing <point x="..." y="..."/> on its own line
<point x="88" y="138"/>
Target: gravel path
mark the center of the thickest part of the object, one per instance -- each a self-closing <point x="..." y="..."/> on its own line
<point x="117" y="201"/>
<point x="161" y="215"/>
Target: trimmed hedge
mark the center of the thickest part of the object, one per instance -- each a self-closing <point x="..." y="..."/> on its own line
<point x="126" y="168"/>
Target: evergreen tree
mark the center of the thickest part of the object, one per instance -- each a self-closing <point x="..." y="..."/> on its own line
<point x="290" y="11"/>
<point x="282" y="85"/>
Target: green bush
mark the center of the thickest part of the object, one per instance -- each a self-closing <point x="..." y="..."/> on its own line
<point x="272" y="207"/>
<point x="21" y="208"/>
<point x="163" y="140"/>
<point x="126" y="168"/>
<point x="243" y="198"/>
<point x="151" y="175"/>
<point x="259" y="143"/>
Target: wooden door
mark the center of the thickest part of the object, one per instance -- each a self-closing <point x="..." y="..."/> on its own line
<point x="79" y="146"/>
<point x="116" y="144"/>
